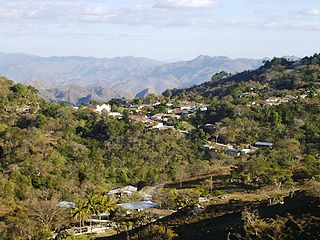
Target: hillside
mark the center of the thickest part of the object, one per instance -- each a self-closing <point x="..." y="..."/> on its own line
<point x="200" y="155"/>
<point x="297" y="217"/>
<point x="274" y="77"/>
<point x="122" y="76"/>
<point x="77" y="95"/>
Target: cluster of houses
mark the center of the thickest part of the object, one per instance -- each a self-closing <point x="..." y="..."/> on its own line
<point x="141" y="113"/>
<point x="160" y="120"/>
<point x="229" y="150"/>
<point x="103" y="108"/>
<point x="275" y="101"/>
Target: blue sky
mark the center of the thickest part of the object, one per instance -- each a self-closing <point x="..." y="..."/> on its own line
<point x="160" y="29"/>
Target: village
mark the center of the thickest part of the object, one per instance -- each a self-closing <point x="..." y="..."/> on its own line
<point x="161" y="115"/>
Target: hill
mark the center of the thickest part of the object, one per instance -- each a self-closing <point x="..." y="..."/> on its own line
<point x="121" y="76"/>
<point x="275" y="76"/>
<point x="297" y="217"/>
<point x="247" y="139"/>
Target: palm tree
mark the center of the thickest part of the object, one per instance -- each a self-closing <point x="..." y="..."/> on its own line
<point x="99" y="204"/>
<point x="80" y="211"/>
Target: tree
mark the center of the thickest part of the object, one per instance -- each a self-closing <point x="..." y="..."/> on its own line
<point x="81" y="211"/>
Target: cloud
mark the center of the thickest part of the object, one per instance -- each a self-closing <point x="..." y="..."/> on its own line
<point x="56" y="15"/>
<point x="185" y="4"/>
<point x="98" y="13"/>
<point x="312" y="26"/>
<point x="312" y="11"/>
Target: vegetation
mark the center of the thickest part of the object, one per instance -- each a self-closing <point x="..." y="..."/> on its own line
<point x="51" y="152"/>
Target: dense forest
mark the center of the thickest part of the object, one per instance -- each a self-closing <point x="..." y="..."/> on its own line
<point x="51" y="151"/>
<point x="54" y="151"/>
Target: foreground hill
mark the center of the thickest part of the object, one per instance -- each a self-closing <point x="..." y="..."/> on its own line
<point x="296" y="217"/>
<point x="122" y="76"/>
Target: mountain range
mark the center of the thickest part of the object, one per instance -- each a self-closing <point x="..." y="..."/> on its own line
<point x="81" y="79"/>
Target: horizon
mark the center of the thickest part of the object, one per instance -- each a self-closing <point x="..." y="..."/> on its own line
<point x="164" y="30"/>
<point x="163" y="61"/>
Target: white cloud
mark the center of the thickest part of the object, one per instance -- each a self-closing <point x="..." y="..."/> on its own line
<point x="185" y="4"/>
<point x="313" y="26"/>
<point x="312" y="11"/>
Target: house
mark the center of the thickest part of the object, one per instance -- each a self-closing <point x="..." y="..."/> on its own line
<point x="209" y="146"/>
<point x="160" y="126"/>
<point x="303" y="96"/>
<point x="203" y="108"/>
<point x="143" y="106"/>
<point x="233" y="152"/>
<point x="263" y="144"/>
<point x="156" y="104"/>
<point x="115" y="114"/>
<point x="139" y="206"/>
<point x="246" y="151"/>
<point x="103" y="107"/>
<point x="65" y="204"/>
<point x="126" y="191"/>
<point x="238" y="152"/>
<point x="157" y="117"/>
<point x="189" y="108"/>
<point x="210" y="126"/>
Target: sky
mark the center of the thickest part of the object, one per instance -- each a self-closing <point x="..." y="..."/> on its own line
<point x="166" y="30"/>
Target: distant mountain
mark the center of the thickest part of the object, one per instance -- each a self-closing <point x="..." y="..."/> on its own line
<point x="77" y="95"/>
<point x="277" y="77"/>
<point x="143" y="93"/>
<point x="72" y="78"/>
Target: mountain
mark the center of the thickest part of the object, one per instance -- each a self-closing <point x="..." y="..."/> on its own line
<point x="120" y="76"/>
<point x="143" y="93"/>
<point x="275" y="77"/>
<point x="200" y="69"/>
<point x="77" y="95"/>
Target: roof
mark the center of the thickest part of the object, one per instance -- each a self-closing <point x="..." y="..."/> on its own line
<point x="138" y="205"/>
<point x="266" y="144"/>
<point x="66" y="204"/>
<point x="125" y="189"/>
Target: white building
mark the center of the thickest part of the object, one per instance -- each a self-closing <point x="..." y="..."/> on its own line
<point x="160" y="126"/>
<point x="124" y="191"/>
<point x="114" y="114"/>
<point x="103" y="107"/>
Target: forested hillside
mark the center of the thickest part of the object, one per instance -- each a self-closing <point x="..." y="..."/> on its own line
<point x="273" y="113"/>
<point x="51" y="151"/>
<point x="251" y="137"/>
<point x="278" y="103"/>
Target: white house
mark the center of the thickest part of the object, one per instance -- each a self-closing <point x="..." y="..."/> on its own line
<point x="160" y="126"/>
<point x="203" y="108"/>
<point x="124" y="191"/>
<point x="103" y="107"/>
<point x="114" y="114"/>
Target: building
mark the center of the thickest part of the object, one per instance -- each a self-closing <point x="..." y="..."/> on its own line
<point x="263" y="144"/>
<point x="126" y="191"/>
<point x="203" y="108"/>
<point x="238" y="152"/>
<point x="103" y="107"/>
<point x="233" y="152"/>
<point x="161" y="126"/>
<point x="65" y="204"/>
<point x="139" y="206"/>
<point x="115" y="114"/>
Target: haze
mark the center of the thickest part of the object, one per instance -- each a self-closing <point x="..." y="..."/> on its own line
<point x="166" y="30"/>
